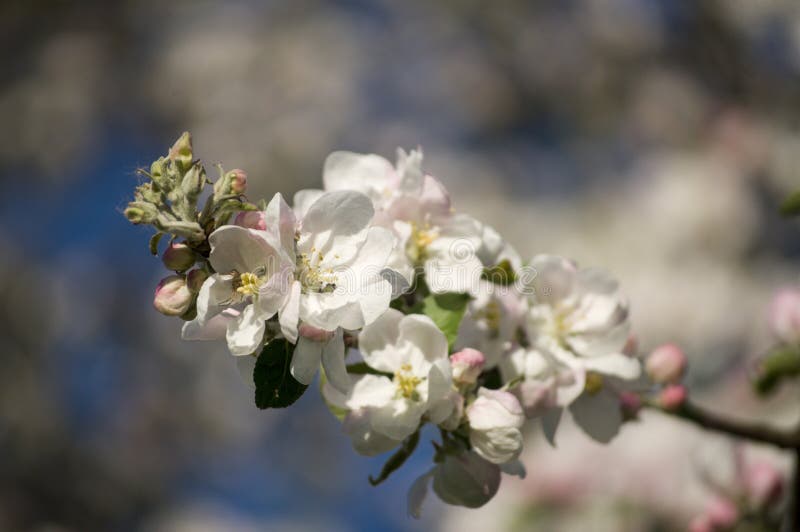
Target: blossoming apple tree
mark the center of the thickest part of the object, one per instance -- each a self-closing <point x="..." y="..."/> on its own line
<point x="414" y="313"/>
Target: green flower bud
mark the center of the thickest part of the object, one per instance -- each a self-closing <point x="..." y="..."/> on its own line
<point x="193" y="182"/>
<point x="238" y="181"/>
<point x="178" y="256"/>
<point x="139" y="212"/>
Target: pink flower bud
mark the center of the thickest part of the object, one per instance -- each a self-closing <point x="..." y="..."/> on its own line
<point x="467" y="365"/>
<point x="630" y="403"/>
<point x="178" y="257"/>
<point x="764" y="484"/>
<point x="172" y="296"/>
<point x="666" y="364"/>
<point x="238" y="181"/>
<point x="672" y="397"/>
<point x="631" y="346"/>
<point x="313" y="333"/>
<point x="251" y="220"/>
<point x="195" y="279"/>
<point x="722" y="512"/>
<point x="784" y="315"/>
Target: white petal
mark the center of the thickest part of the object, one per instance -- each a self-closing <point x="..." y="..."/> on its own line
<point x="553" y="279"/>
<point x="368" y="174"/>
<point x="370" y="391"/>
<point x="241" y="249"/>
<point x="214" y="295"/>
<point x="366" y="441"/>
<point x="422" y="333"/>
<point x="303" y="199"/>
<point x="289" y="315"/>
<point x="398" y="419"/>
<point x="377" y="340"/>
<point x="245" y="332"/>
<point x="338" y="213"/>
<point x="616" y="365"/>
<point x="273" y="294"/>
<point x="443" y="274"/>
<point x="213" y="329"/>
<point x="305" y="360"/>
<point x="550" y="422"/>
<point x="417" y="494"/>
<point x="333" y="362"/>
<point x="280" y="221"/>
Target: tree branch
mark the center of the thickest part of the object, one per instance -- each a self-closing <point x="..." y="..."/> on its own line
<point x="785" y="439"/>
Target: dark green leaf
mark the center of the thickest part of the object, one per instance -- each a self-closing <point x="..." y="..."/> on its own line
<point x="154" y="240"/>
<point x="791" y="205"/>
<point x="781" y="363"/>
<point x="275" y="386"/>
<point x="397" y="459"/>
<point x="446" y="311"/>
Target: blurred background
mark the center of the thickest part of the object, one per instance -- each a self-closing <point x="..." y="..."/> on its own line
<point x="654" y="138"/>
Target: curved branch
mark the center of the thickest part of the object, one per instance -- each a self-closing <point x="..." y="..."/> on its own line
<point x="785" y="439"/>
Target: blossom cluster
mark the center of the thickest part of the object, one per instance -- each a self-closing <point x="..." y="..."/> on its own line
<point x="417" y="314"/>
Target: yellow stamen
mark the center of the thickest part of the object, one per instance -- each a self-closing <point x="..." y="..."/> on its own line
<point x="421" y="238"/>
<point x="248" y="284"/>
<point x="406" y="383"/>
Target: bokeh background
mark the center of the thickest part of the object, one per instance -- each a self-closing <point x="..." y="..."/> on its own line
<point x="650" y="137"/>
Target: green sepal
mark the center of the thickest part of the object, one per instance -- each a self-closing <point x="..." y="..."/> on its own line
<point x="446" y="311"/>
<point x="395" y="461"/>
<point x="154" y="240"/>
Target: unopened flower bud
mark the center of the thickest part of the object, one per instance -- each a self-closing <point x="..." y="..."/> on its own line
<point x="764" y="484"/>
<point x="495" y="418"/>
<point x="313" y="333"/>
<point x="672" y="397"/>
<point x="722" y="512"/>
<point x="251" y="220"/>
<point x="181" y="151"/>
<point x="666" y="364"/>
<point x="784" y="315"/>
<point x="172" y="296"/>
<point x="195" y="279"/>
<point x="630" y="404"/>
<point x="238" y="181"/>
<point x="467" y="365"/>
<point x="140" y="212"/>
<point x="178" y="257"/>
<point x="466" y="480"/>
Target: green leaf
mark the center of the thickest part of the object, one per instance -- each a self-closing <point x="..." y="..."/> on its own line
<point x="397" y="459"/>
<point x="446" y="311"/>
<point x="275" y="386"/>
<point x="781" y="363"/>
<point x="791" y="205"/>
<point x="154" y="240"/>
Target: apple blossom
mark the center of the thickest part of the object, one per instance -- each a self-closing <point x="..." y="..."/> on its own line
<point x="413" y="351"/>
<point x="578" y="318"/>
<point x="251" y="220"/>
<point x="672" y="397"/>
<point x="495" y="419"/>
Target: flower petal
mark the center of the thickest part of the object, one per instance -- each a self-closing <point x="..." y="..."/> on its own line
<point x="289" y="315"/>
<point x="240" y="249"/>
<point x="305" y="360"/>
<point x="377" y="340"/>
<point x="333" y="362"/>
<point x="245" y="332"/>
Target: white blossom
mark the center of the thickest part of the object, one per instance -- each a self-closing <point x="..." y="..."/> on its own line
<point x="414" y="352"/>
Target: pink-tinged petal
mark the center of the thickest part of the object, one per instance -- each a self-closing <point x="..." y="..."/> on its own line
<point x="289" y="314"/>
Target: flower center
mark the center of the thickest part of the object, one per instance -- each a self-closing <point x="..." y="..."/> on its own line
<point x="594" y="383"/>
<point x="421" y="238"/>
<point x="313" y="277"/>
<point x="407" y="382"/>
<point x="247" y="283"/>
